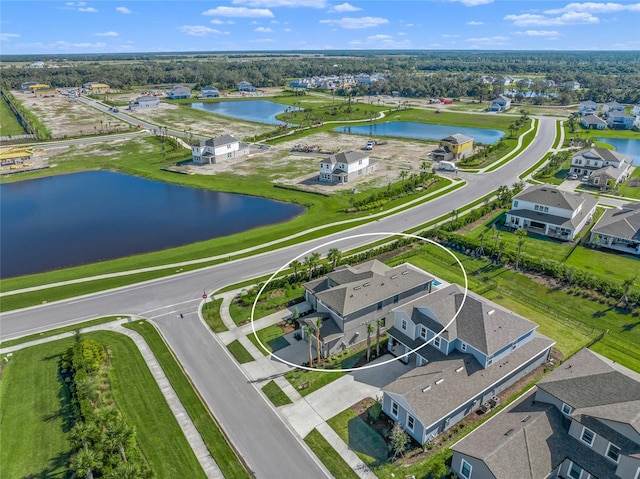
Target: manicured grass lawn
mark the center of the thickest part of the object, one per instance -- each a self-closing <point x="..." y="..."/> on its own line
<point x="204" y="421"/>
<point x="362" y="439"/>
<point x="268" y="303"/>
<point x="630" y="191"/>
<point x="9" y="125"/>
<point x="211" y="315"/>
<point x="609" y="265"/>
<point x="275" y="394"/>
<point x="493" y="121"/>
<point x="328" y="456"/>
<point x="239" y="352"/>
<point x="270" y="337"/>
<point x="35" y="411"/>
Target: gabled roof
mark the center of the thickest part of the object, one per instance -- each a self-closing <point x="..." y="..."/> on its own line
<point x="601" y="154"/>
<point x="610" y="171"/>
<point x="588" y="103"/>
<point x="614" y="104"/>
<point x="219" y="141"/>
<point x="483" y="324"/>
<point x="620" y="114"/>
<point x="352" y="288"/>
<point x="621" y="223"/>
<point x="457" y="139"/>
<point x="593" y="120"/>
<point x="350" y="157"/>
<point x="549" y="196"/>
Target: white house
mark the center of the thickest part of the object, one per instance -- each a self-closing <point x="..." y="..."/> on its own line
<point x="344" y="167"/>
<point x="619" y="120"/>
<point x="215" y="150"/>
<point x="618" y="229"/>
<point x="460" y="367"/>
<point x="595" y="162"/>
<point x="611" y="107"/>
<point x="502" y="103"/>
<point x="593" y="122"/>
<point x="245" y="86"/>
<point x="588" y="108"/>
<point x="552" y="212"/>
<point x="210" y="92"/>
<point x="145" y="102"/>
<point x="179" y="92"/>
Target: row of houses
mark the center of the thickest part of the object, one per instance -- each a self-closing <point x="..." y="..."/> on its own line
<point x="611" y="114"/>
<point x="332" y="82"/>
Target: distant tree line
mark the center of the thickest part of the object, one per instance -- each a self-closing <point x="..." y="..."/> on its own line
<point x="603" y="76"/>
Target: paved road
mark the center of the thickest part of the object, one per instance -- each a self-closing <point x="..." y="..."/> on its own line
<point x="253" y="426"/>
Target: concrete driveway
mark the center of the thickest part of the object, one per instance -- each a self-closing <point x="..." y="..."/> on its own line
<point x="569" y="185"/>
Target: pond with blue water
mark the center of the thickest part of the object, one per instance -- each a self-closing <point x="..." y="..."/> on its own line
<point x="70" y="220"/>
<point x="626" y="146"/>
<point x="423" y="131"/>
<point x="259" y="111"/>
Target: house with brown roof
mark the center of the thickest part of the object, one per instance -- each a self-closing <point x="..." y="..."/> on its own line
<point x="350" y="296"/>
<point x="549" y="211"/>
<point x="618" y="229"/>
<point x="466" y="351"/>
<point x="582" y="421"/>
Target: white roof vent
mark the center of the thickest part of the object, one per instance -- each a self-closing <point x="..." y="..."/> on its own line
<point x="426" y="388"/>
<point x="491" y="312"/>
<point x="440" y="381"/>
<point x="459" y="369"/>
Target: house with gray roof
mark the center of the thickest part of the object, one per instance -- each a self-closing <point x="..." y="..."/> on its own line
<point x="344" y="167"/>
<point x="453" y="147"/>
<point x="618" y="229"/>
<point x="619" y="120"/>
<point x="144" y="101"/>
<point x="582" y="421"/>
<point x="611" y="107"/>
<point x="350" y="296"/>
<point x="593" y="162"/>
<point x="215" y="150"/>
<point x="210" y="92"/>
<point x="588" y="108"/>
<point x="546" y="210"/>
<point x="245" y="86"/>
<point x="593" y="122"/>
<point x="466" y="351"/>
<point x="179" y="92"/>
<point x="502" y="103"/>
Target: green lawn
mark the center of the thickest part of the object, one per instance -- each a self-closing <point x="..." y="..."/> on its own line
<point x="211" y="315"/>
<point x="207" y="426"/>
<point x="9" y="125"/>
<point x="239" y="352"/>
<point x="361" y="438"/>
<point x="35" y="404"/>
<point x="269" y="302"/>
<point x="328" y="456"/>
<point x="631" y="191"/>
<point x="608" y="265"/>
<point x="275" y="394"/>
<point x="270" y="337"/>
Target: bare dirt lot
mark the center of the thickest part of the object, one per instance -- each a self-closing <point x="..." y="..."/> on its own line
<point x="68" y="117"/>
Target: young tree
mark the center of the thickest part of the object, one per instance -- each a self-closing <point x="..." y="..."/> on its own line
<point x="85" y="462"/>
<point x="314" y="259"/>
<point x="307" y="333"/>
<point x="379" y="325"/>
<point x="521" y="233"/>
<point x="370" y="329"/>
<point x="403" y="175"/>
<point x="399" y="440"/>
<point x="295" y="264"/>
<point x="82" y="434"/>
<point x="625" y="295"/>
<point x="334" y="256"/>
<point x="318" y="326"/>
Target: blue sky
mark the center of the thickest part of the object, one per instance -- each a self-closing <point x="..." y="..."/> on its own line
<point x="38" y="27"/>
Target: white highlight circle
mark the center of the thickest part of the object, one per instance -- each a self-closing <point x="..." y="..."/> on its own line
<point x="368" y="366"/>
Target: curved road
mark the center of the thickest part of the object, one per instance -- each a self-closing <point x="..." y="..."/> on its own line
<point x="253" y="426"/>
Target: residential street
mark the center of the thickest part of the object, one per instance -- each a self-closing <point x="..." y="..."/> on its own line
<point x="255" y="428"/>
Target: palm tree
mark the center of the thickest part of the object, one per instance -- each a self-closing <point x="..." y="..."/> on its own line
<point x="81" y="433"/>
<point x="403" y="175"/>
<point x="627" y="285"/>
<point x="84" y="462"/>
<point x="307" y="264"/>
<point x="370" y="329"/>
<point x="379" y="325"/>
<point x="318" y="326"/>
<point x="314" y="259"/>
<point x="424" y="166"/>
<point x="334" y="256"/>
<point x="307" y="333"/>
<point x="521" y="233"/>
<point x="119" y="436"/>
<point x="295" y="264"/>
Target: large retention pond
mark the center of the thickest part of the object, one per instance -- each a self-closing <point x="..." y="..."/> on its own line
<point x="82" y="218"/>
<point x="260" y="111"/>
<point x="423" y="131"/>
<point x="629" y="147"/>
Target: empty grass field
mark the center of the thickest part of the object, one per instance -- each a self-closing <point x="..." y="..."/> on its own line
<point x="9" y="125"/>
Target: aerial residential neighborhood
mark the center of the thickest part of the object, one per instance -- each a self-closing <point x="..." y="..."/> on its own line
<point x="274" y="239"/>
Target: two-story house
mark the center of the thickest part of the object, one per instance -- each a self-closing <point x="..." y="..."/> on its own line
<point x="210" y="92"/>
<point x="581" y="422"/>
<point x="245" y="86"/>
<point x="347" y="298"/>
<point x="344" y="167"/>
<point x="619" y="120"/>
<point x="215" y="150"/>
<point x="598" y="165"/>
<point x="549" y="211"/>
<point x="502" y="103"/>
<point x="466" y="350"/>
<point x="618" y="229"/>
<point x="144" y="101"/>
<point x="453" y="147"/>
<point x="179" y="92"/>
<point x="611" y="107"/>
<point x="588" y="108"/>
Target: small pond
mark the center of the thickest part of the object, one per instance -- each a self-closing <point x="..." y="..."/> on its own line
<point x="626" y="146"/>
<point x="423" y="131"/>
<point x="259" y="111"/>
<point x="82" y="218"/>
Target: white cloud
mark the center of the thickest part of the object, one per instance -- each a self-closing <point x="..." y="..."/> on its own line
<point x="474" y="23"/>
<point x="386" y="41"/>
<point x="288" y="30"/>
<point x="282" y="3"/>
<point x="107" y="34"/>
<point x="262" y="40"/>
<point x="569" y="18"/>
<point x="448" y="35"/>
<point x="472" y="3"/>
<point x="123" y="10"/>
<point x="8" y="36"/>
<point x="344" y="8"/>
<point x="263" y="30"/>
<point x="198" y="30"/>
<point x="495" y="40"/>
<point x="539" y="33"/>
<point x="88" y="9"/>
<point x="594" y="7"/>
<point x="358" y="23"/>
<point x="63" y="45"/>
<point x="217" y="21"/>
<point x="242" y="12"/>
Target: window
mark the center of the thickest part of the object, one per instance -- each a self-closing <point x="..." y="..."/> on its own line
<point x="546" y="209"/>
<point x="515" y="203"/>
<point x="410" y="422"/>
<point x="463" y="346"/>
<point x="423" y="332"/>
<point x="394" y="408"/>
<point x="465" y="469"/>
<point x="575" y="471"/>
<point x="536" y="207"/>
<point x="587" y="436"/>
<point x="379" y="307"/>
<point x="566" y="409"/>
<point x="436" y="342"/>
<point x="404" y="324"/>
<point x="395" y="298"/>
<point x="613" y="452"/>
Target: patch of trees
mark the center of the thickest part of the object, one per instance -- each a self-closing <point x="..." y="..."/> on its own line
<point x="105" y="445"/>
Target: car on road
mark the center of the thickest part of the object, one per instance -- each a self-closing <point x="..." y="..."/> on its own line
<point x="572" y="176"/>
